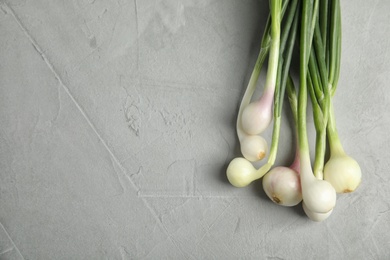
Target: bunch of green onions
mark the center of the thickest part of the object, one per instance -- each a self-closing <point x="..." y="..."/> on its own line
<point x="313" y="28"/>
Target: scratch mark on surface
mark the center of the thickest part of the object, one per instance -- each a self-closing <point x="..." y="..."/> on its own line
<point x="336" y="239"/>
<point x="163" y="227"/>
<point x="377" y="250"/>
<point x="147" y="256"/>
<point x="227" y="143"/>
<point x="113" y="30"/>
<point x="35" y="47"/>
<point x="237" y="225"/>
<point x="172" y="210"/>
<point x="215" y="221"/>
<point x="187" y="166"/>
<point x="6" y="250"/>
<point x="290" y="225"/>
<point x="378" y="218"/>
<point x="77" y="65"/>
<point x="121" y="189"/>
<point x="134" y="179"/>
<point x="2" y="8"/>
<point x="10" y="239"/>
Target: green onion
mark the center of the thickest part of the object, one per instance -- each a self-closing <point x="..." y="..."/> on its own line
<point x="318" y="24"/>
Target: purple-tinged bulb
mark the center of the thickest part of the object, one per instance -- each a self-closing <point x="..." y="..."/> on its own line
<point x="257" y="116"/>
<point x="282" y="185"/>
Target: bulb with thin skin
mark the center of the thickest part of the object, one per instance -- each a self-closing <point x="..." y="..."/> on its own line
<point x="282" y="186"/>
<point x="253" y="147"/>
<point x="257" y="116"/>
<point x="240" y="172"/>
<point x="318" y="195"/>
<point x="343" y="172"/>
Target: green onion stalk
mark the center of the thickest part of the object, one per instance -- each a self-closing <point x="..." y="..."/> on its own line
<point x="341" y="170"/>
<point x="240" y="171"/>
<point x="320" y="97"/>
<point x="254" y="147"/>
<point x="319" y="196"/>
<point x="282" y="184"/>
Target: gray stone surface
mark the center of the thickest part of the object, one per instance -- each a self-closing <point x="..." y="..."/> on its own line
<point x="117" y="123"/>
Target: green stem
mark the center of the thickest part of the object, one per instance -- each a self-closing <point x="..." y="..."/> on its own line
<point x="334" y="35"/>
<point x="288" y="24"/>
<point x="320" y="126"/>
<point x="286" y="55"/>
<point x="323" y="99"/>
<point x="292" y="98"/>
<point x="266" y="40"/>
<point x="334" y="141"/>
<point x="323" y="16"/>
<point x="338" y="54"/>
<point x="318" y="167"/>
<point x="317" y="111"/>
<point x="315" y="77"/>
<point x="275" y="140"/>
<point x="288" y="38"/>
<point x="305" y="46"/>
<point x="309" y="16"/>
<point x="318" y="50"/>
<point x="314" y="21"/>
<point x="270" y="82"/>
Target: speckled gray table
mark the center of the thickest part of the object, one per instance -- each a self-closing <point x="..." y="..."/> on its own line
<point x="117" y="123"/>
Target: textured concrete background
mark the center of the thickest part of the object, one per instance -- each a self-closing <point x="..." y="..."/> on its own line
<point x="117" y="123"/>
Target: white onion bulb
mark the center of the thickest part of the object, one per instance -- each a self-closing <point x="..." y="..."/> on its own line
<point x="319" y="196"/>
<point x="343" y="172"/>
<point x="240" y="172"/>
<point x="253" y="147"/>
